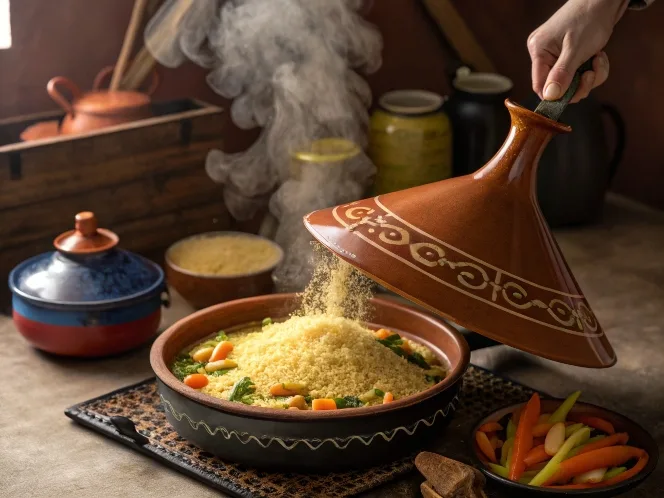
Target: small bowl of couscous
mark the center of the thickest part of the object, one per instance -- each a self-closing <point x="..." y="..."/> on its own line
<point x="216" y="267"/>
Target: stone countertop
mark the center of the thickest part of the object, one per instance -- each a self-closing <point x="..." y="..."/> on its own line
<point x="619" y="264"/>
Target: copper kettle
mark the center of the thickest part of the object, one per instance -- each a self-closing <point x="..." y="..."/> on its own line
<point x="99" y="108"/>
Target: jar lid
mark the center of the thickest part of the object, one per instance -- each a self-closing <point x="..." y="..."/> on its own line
<point x="411" y="102"/>
<point x="481" y="83"/>
<point x="328" y="150"/>
<point x="86" y="271"/>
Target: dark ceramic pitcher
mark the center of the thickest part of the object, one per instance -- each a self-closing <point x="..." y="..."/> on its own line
<point x="479" y="119"/>
<point x="577" y="168"/>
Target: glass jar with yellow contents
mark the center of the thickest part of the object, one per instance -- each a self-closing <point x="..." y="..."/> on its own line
<point x="323" y="173"/>
<point x="410" y="140"/>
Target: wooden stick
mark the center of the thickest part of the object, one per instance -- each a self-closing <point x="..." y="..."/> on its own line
<point x="128" y="44"/>
<point x="144" y="62"/>
<point x="459" y="35"/>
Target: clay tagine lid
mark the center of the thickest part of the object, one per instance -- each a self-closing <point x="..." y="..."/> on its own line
<point x="87" y="272"/>
<point x="477" y="250"/>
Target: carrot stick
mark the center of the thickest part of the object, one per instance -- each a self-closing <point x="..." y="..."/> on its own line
<point x="323" y="404"/>
<point x="623" y="476"/>
<point x="640" y="465"/>
<point x="388" y="398"/>
<point x="536" y="455"/>
<point x="541" y="430"/>
<point x="496" y="442"/>
<point x="611" y="456"/>
<point x="485" y="446"/>
<point x="490" y="427"/>
<point x="221" y="351"/>
<point x="516" y="415"/>
<point x="523" y="440"/>
<point x="615" y="439"/>
<point x="594" y="422"/>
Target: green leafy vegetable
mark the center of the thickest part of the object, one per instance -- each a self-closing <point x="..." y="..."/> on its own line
<point x="348" y="402"/>
<point x="221" y="336"/>
<point x="308" y="399"/>
<point x="435" y="379"/>
<point x="394" y="342"/>
<point x="267" y="321"/>
<point x="242" y="390"/>
<point x="184" y="365"/>
<point x="379" y="393"/>
<point x="418" y="360"/>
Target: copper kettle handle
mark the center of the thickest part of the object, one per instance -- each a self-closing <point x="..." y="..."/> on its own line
<point x="108" y="71"/>
<point x="58" y="98"/>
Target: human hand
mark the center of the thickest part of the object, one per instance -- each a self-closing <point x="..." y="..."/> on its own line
<point x="579" y="30"/>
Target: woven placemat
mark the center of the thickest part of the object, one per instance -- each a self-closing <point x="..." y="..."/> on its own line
<point x="482" y="392"/>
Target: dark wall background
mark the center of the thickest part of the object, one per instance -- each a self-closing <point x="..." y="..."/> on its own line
<point x="76" y="38"/>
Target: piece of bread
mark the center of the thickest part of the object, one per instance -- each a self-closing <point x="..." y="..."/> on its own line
<point x="428" y="491"/>
<point x="446" y="476"/>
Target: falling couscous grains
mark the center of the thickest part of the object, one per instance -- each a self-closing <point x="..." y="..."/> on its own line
<point x="322" y="357"/>
<point x="225" y="254"/>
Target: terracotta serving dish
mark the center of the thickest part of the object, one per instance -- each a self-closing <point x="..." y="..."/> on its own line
<point x="308" y="440"/>
<point x="639" y="437"/>
<point x="88" y="298"/>
<point x="201" y="291"/>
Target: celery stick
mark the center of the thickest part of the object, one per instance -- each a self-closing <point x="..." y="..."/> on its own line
<point x="504" y="451"/>
<point x="561" y="413"/>
<point x="615" y="471"/>
<point x="571" y="429"/>
<point x="554" y="464"/>
<point x="511" y="429"/>
<point x="499" y="470"/>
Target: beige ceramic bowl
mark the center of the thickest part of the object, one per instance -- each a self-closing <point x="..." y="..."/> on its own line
<point x="202" y="290"/>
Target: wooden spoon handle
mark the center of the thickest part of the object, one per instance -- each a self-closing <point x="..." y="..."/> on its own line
<point x="127" y="45"/>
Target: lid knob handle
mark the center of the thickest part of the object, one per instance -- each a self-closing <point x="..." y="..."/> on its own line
<point x="86" y="223"/>
<point x="87" y="237"/>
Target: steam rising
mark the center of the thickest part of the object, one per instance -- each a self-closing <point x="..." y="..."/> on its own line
<point x="290" y="68"/>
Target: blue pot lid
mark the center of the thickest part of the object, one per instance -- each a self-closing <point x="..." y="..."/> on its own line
<point x="86" y="270"/>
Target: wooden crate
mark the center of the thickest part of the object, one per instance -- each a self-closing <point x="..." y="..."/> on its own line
<point x="144" y="180"/>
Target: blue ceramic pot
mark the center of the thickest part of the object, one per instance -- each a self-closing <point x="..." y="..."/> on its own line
<point x="88" y="298"/>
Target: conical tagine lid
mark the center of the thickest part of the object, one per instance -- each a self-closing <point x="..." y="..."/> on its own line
<point x="477" y="250"/>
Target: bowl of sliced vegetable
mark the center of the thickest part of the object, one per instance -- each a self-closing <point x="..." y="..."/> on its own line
<point x="550" y="447"/>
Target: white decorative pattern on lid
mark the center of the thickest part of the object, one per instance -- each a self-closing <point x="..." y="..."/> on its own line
<point x="372" y="222"/>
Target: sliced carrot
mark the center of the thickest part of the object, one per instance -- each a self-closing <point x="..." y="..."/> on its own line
<point x="388" y="398"/>
<point x="496" y="442"/>
<point x="628" y="474"/>
<point x="523" y="441"/>
<point x="323" y="404"/>
<point x="612" y="440"/>
<point x="196" y="381"/>
<point x="536" y="455"/>
<point x="594" y="422"/>
<point x="485" y="446"/>
<point x="541" y="430"/>
<point x="406" y="347"/>
<point x="611" y="456"/>
<point x="221" y="351"/>
<point x="382" y="333"/>
<point x="490" y="427"/>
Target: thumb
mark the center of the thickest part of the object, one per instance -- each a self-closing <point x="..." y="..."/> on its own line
<point x="562" y="73"/>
